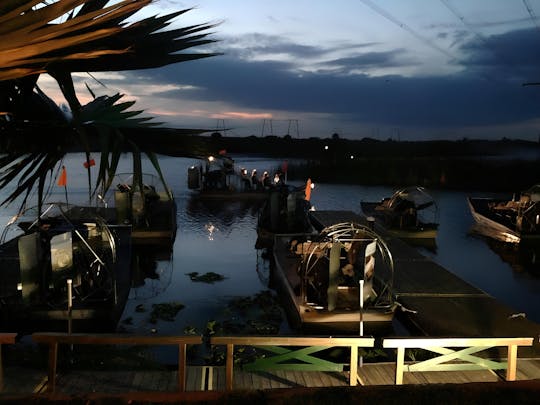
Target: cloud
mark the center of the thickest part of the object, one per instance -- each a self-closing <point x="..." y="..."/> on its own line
<point x="456" y="100"/>
<point x="367" y="61"/>
<point x="510" y="55"/>
<point x="340" y="90"/>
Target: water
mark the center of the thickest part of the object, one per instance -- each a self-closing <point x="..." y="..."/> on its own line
<point x="220" y="237"/>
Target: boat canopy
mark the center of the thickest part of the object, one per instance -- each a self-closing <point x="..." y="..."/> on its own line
<point x="411" y="197"/>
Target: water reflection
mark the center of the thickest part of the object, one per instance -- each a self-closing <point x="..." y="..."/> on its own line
<point x="151" y="270"/>
<point x="216" y="213"/>
<point x="522" y="258"/>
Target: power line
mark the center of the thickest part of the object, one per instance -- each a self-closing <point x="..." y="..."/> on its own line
<point x="534" y="19"/>
<point x="405" y="27"/>
<point x="462" y="19"/>
<point x="470" y="28"/>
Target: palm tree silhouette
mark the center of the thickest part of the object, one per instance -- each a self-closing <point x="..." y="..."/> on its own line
<point x="59" y="38"/>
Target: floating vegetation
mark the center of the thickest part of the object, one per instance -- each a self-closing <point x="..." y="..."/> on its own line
<point x="261" y="307"/>
<point x="259" y="314"/>
<point x="165" y="311"/>
<point x="211" y="327"/>
<point x="209" y="277"/>
<point x="190" y="330"/>
<point x="128" y="321"/>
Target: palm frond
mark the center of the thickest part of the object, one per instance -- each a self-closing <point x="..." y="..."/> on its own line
<point x="66" y="36"/>
<point x="92" y="41"/>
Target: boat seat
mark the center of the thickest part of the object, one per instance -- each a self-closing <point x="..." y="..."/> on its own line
<point x="317" y="248"/>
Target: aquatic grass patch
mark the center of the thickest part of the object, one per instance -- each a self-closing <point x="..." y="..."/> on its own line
<point x="209" y="277"/>
<point x="165" y="311"/>
<point x="259" y="314"/>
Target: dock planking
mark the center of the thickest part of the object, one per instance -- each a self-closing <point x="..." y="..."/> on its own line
<point x="437" y="302"/>
<point x="22" y="381"/>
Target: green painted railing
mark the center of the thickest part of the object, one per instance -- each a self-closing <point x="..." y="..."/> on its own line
<point x="302" y="357"/>
<point x="456" y="360"/>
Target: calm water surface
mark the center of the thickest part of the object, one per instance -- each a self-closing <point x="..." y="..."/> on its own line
<point x="220" y="237"/>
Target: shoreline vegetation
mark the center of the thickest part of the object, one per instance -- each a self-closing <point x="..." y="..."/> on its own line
<point x="482" y="165"/>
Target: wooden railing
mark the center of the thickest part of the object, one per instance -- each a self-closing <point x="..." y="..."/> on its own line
<point x="454" y="360"/>
<point x="301" y="358"/>
<point x="5" y="338"/>
<point x="54" y="339"/>
<point x="309" y="345"/>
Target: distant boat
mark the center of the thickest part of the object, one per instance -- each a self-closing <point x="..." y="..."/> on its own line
<point x="509" y="220"/>
<point x="63" y="268"/>
<point x="151" y="211"/>
<point x="410" y="213"/>
<point x="216" y="177"/>
<point x="284" y="211"/>
<point x="337" y="280"/>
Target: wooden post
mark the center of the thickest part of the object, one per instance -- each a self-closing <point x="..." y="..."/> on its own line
<point x="182" y="367"/>
<point x="512" y="363"/>
<point x="1" y="370"/>
<point x="5" y="338"/>
<point x="229" y="366"/>
<point x="400" y="365"/>
<point x="53" y="356"/>
<point x="353" y="378"/>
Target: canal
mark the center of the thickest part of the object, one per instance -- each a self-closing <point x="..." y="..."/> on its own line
<point x="220" y="237"/>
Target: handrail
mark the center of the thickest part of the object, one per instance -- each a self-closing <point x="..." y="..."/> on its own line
<point x="5" y="338"/>
<point x="446" y="361"/>
<point x="353" y="342"/>
<point x="54" y="339"/>
<point x="442" y="347"/>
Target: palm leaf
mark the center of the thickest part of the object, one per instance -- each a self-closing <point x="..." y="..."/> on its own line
<point x="94" y="41"/>
<point x="66" y="36"/>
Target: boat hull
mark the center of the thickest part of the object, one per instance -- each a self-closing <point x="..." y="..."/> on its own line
<point x="47" y="308"/>
<point x="496" y="226"/>
<point x="423" y="231"/>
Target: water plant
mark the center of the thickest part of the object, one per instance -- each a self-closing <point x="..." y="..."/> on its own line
<point x="165" y="311"/>
<point x="209" y="277"/>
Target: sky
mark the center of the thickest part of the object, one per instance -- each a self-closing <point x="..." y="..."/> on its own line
<point x="383" y="69"/>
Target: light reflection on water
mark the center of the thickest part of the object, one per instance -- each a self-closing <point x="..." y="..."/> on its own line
<point x="220" y="237"/>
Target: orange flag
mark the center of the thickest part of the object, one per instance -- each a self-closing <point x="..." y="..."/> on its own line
<point x="62" y="180"/>
<point x="308" y="189"/>
<point x="89" y="163"/>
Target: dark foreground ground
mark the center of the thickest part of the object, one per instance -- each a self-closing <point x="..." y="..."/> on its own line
<point x="517" y="392"/>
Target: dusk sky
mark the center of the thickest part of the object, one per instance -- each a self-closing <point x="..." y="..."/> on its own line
<point x="407" y="69"/>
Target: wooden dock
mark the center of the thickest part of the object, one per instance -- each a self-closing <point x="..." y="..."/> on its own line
<point x="435" y="301"/>
<point x="293" y="363"/>
<point x="19" y="381"/>
<point x="200" y="378"/>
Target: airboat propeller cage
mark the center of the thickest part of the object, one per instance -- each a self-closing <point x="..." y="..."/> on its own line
<point x="362" y="244"/>
<point x="417" y="196"/>
<point x="346" y="231"/>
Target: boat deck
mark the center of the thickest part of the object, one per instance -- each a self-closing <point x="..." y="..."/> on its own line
<point x="435" y="301"/>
